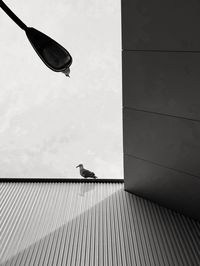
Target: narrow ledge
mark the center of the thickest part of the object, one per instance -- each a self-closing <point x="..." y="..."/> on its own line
<point x="59" y="180"/>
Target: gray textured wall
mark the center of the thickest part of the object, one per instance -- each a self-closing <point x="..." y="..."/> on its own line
<point x="91" y="224"/>
<point x="161" y="101"/>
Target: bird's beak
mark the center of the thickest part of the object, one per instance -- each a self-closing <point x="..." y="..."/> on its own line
<point x="77" y="166"/>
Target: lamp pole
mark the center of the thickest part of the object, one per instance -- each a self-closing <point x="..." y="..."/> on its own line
<point x="9" y="12"/>
<point x="55" y="56"/>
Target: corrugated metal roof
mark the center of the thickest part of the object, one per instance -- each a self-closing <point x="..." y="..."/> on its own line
<point x="91" y="224"/>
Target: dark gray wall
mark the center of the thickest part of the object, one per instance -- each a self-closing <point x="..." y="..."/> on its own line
<point x="161" y="101"/>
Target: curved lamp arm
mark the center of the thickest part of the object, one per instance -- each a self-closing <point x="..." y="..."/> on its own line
<point x="9" y="12"/>
<point x="55" y="56"/>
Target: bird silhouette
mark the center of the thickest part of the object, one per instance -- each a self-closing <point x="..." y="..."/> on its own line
<point x="85" y="173"/>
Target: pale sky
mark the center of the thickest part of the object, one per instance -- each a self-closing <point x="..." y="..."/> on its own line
<point x="50" y="123"/>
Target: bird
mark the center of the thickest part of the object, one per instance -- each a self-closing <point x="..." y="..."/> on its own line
<point x="85" y="173"/>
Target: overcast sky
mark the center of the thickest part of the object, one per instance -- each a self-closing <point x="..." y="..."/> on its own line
<point x="50" y="123"/>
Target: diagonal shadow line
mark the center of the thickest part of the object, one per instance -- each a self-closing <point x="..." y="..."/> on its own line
<point x="83" y="190"/>
<point x="130" y="221"/>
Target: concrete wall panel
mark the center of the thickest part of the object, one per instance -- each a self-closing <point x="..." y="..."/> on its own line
<point x="154" y="182"/>
<point x="168" y="141"/>
<point x="161" y="92"/>
<point x="161" y="25"/>
<point x="162" y="82"/>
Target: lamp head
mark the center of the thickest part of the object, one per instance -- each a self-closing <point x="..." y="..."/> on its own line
<point x="55" y="56"/>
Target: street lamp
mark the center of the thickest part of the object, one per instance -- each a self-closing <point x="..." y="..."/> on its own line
<point x="56" y="57"/>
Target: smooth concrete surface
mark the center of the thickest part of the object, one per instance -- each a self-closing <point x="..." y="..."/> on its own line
<point x="163" y="185"/>
<point x="169" y="141"/>
<point x="161" y="25"/>
<point x="161" y="101"/>
<point x="166" y="83"/>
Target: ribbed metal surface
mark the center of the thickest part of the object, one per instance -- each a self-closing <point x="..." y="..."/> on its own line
<point x="91" y="224"/>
